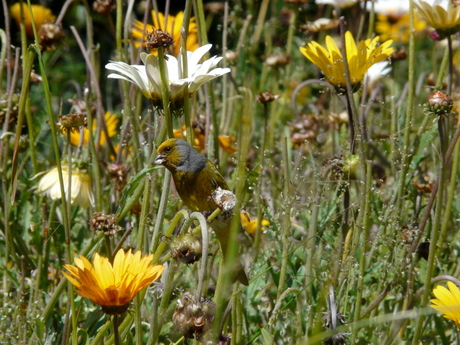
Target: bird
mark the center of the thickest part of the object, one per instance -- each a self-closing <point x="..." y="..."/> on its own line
<point x="196" y="178"/>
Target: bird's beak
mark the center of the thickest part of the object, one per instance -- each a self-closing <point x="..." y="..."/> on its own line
<point x="160" y="159"/>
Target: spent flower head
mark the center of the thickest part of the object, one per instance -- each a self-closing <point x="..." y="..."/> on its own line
<point x="113" y="286"/>
<point x="447" y="301"/>
<point x="148" y="78"/>
<point x="173" y="27"/>
<point x="360" y="57"/>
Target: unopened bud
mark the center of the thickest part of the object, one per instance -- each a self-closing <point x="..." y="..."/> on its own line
<point x="186" y="248"/>
<point x="440" y="103"/>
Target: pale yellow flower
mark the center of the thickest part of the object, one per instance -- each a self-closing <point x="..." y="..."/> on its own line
<point x="113" y="286"/>
<point x="80" y="194"/>
<point x="447" y="302"/>
<point x="111" y="121"/>
<point x="41" y="15"/>
<point x="440" y="14"/>
<point x="173" y="27"/>
<point x="360" y="58"/>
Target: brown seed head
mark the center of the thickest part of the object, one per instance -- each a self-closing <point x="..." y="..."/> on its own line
<point x="158" y="38"/>
<point x="104" y="7"/>
<point x="265" y="97"/>
<point x="104" y="222"/>
<point x="50" y="36"/>
<point x="194" y="315"/>
<point x="71" y="122"/>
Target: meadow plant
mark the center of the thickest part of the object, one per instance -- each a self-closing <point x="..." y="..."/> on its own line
<point x="334" y="123"/>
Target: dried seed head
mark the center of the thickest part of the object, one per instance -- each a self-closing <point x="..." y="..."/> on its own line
<point x="104" y="7"/>
<point x="320" y="24"/>
<point x="399" y="54"/>
<point x="194" y="315"/>
<point x="224" y="199"/>
<point x="186" y="248"/>
<point x="158" y="38"/>
<point x="71" y="122"/>
<point x="277" y="60"/>
<point x="265" y="97"/>
<point x="118" y="173"/>
<point x="50" y="36"/>
<point x="439" y="103"/>
<point x="104" y="222"/>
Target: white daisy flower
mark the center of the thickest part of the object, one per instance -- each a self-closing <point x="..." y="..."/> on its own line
<point x="148" y="78"/>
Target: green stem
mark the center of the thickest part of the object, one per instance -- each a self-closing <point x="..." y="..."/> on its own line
<point x="364" y="242"/>
<point x="407" y="147"/>
<point x="435" y="234"/>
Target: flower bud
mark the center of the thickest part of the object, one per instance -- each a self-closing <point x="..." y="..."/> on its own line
<point x="440" y="103"/>
<point x="194" y="315"/>
<point x="186" y="248"/>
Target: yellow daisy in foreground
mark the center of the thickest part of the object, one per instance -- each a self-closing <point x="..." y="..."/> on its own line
<point x="173" y="26"/>
<point x="113" y="287"/>
<point x="111" y="121"/>
<point x="447" y="302"/>
<point x="360" y="58"/>
<point x="41" y="15"/>
<point x="80" y="186"/>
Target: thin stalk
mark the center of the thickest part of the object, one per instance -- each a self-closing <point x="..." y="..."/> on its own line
<point x="183" y="45"/>
<point x="258" y="195"/>
<point x="407" y="149"/>
<point x="94" y="158"/>
<point x="116" y="336"/>
<point x="285" y="221"/>
<point x="364" y="242"/>
<point x="435" y="234"/>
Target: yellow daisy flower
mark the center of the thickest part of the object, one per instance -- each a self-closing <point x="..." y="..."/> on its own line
<point x="111" y="121"/>
<point x="396" y="27"/>
<point x="173" y="26"/>
<point x="113" y="286"/>
<point x="360" y="58"/>
<point x="41" y="15"/>
<point x="447" y="302"/>
<point x="80" y="185"/>
<point x="225" y="141"/>
<point x="250" y="223"/>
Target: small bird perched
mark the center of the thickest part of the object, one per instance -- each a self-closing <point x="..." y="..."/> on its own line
<point x="196" y="178"/>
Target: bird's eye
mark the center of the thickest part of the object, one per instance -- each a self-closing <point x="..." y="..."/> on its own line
<point x="167" y="149"/>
